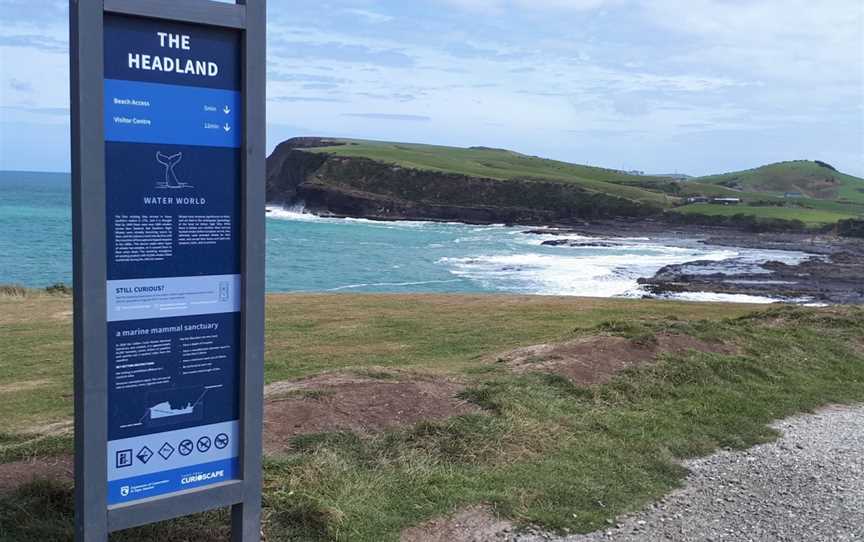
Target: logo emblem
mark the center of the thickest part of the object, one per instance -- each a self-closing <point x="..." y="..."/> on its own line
<point x="124" y="491"/>
<point x="170" y="162"/>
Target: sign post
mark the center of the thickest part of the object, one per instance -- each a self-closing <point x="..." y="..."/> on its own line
<point x="168" y="150"/>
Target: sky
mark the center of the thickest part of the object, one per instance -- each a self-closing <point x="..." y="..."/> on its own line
<point x="662" y="86"/>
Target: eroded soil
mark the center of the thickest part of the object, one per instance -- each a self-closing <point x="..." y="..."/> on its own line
<point x="472" y="524"/>
<point x="344" y="402"/>
<point x="19" y="473"/>
<point x="595" y="360"/>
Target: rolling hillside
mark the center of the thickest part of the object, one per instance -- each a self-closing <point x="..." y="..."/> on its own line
<point x="816" y="180"/>
<point x="811" y="192"/>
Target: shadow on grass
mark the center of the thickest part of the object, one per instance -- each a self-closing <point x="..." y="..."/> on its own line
<point x="43" y="511"/>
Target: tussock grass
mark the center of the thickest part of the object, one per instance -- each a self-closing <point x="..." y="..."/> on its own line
<point x="18" y="291"/>
<point x="13" y="290"/>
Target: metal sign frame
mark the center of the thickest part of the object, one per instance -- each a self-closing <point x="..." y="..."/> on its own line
<point x="94" y="519"/>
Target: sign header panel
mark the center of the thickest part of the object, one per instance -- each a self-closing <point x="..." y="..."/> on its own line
<point x="173" y="134"/>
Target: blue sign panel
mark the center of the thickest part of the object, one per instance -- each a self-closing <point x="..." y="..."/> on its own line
<point x="172" y="145"/>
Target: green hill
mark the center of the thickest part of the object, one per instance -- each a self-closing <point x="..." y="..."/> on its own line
<point x="815" y="180"/>
<point x="814" y="193"/>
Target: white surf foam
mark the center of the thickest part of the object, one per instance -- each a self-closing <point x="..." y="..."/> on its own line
<point x="723" y="298"/>
<point x="295" y="212"/>
<point x="586" y="275"/>
<point x="385" y="284"/>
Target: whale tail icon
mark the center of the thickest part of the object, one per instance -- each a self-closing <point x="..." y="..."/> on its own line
<point x="170" y="162"/>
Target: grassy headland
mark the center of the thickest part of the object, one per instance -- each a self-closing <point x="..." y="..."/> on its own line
<point x="379" y="179"/>
<point x="505" y="165"/>
<point x="539" y="448"/>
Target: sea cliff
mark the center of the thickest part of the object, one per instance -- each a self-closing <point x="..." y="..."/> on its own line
<point x="361" y="187"/>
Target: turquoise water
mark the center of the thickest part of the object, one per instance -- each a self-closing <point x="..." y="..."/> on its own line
<point x="313" y="254"/>
<point x="35" y="228"/>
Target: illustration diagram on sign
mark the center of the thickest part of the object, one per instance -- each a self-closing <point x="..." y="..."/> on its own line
<point x="175" y="406"/>
<point x="170" y="162"/>
<point x="164" y="410"/>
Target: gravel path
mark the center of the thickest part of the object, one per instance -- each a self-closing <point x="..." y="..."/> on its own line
<point x="806" y="486"/>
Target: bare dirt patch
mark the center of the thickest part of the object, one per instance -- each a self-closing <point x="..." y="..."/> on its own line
<point x="595" y="360"/>
<point x="345" y="402"/>
<point x="472" y="524"/>
<point x="18" y="473"/>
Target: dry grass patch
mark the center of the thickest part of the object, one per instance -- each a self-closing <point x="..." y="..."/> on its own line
<point x="52" y="429"/>
<point x="26" y="385"/>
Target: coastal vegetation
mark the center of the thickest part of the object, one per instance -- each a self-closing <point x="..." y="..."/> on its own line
<point x="536" y="437"/>
<point x="392" y="180"/>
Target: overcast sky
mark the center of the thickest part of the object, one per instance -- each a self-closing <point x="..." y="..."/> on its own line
<point x="692" y="86"/>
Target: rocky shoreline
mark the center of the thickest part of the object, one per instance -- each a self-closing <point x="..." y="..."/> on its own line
<point x="833" y="272"/>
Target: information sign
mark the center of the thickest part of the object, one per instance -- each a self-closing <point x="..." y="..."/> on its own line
<point x="168" y="228"/>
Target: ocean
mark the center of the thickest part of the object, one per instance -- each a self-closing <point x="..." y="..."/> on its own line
<point x="307" y="253"/>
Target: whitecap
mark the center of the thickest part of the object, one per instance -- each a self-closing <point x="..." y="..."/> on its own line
<point x="383" y="284"/>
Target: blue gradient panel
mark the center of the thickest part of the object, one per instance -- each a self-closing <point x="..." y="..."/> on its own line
<point x="137" y="112"/>
<point x="171" y="481"/>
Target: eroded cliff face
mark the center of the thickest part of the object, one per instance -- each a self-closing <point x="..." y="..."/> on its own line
<point x="360" y="187"/>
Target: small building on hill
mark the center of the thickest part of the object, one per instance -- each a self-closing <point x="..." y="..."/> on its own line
<point x="793" y="195"/>
<point x="726" y="201"/>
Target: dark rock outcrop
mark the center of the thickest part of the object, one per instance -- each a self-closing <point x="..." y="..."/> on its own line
<point x="576" y="243"/>
<point x="835" y="279"/>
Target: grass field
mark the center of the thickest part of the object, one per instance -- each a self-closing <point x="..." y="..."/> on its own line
<point x="502" y="164"/>
<point x="811" y="217"/>
<point x="541" y="449"/>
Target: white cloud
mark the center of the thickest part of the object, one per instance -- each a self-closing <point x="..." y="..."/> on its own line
<point x="801" y="40"/>
<point x="368" y="16"/>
